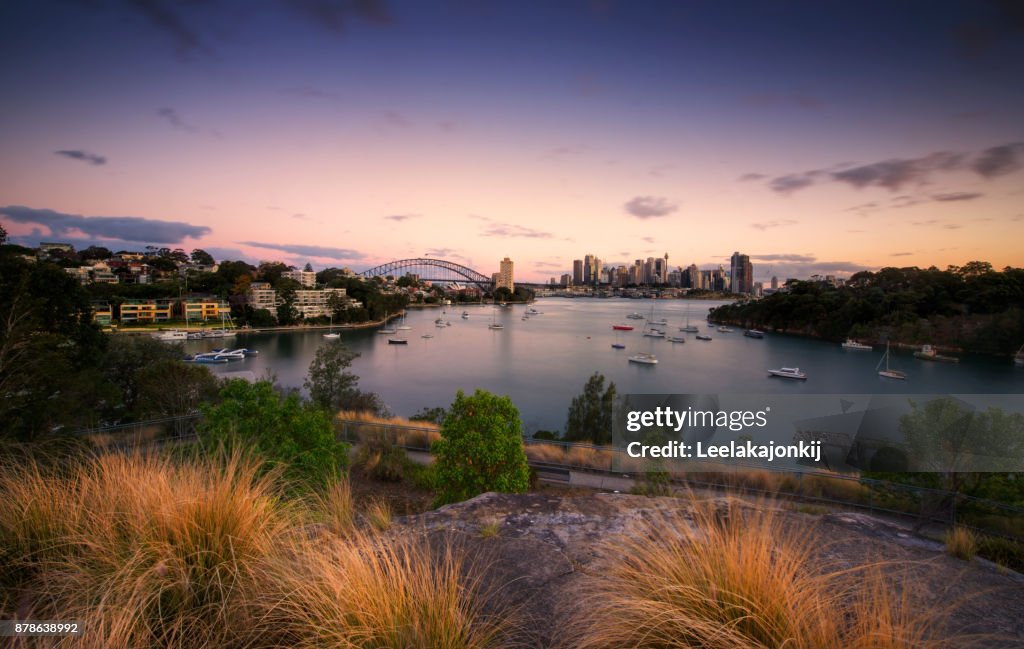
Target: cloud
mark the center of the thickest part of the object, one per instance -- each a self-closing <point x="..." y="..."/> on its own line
<point x="163" y="16"/>
<point x="125" y="228"/>
<point x="646" y="207"/>
<point x="897" y="173"/>
<point x="900" y="254"/>
<point x="394" y="118"/>
<point x="792" y="182"/>
<point x="175" y="120"/>
<point x="784" y="257"/>
<point x="402" y="217"/>
<point x="773" y="224"/>
<point x="512" y="230"/>
<point x="956" y="196"/>
<point x="936" y="223"/>
<point x="84" y="156"/>
<point x="647" y="239"/>
<point x="751" y="176"/>
<point x="335" y="15"/>
<point x="998" y="160"/>
<point x="542" y="265"/>
<point x="325" y="252"/>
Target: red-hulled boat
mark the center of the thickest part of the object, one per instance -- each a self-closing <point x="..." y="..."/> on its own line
<point x="622" y="327"/>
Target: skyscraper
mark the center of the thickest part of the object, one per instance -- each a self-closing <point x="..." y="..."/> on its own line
<point x="741" y="274"/>
<point x="577" y="272"/>
<point x="505" y="275"/>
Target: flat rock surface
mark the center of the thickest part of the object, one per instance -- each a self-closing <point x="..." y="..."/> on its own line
<point x="546" y="544"/>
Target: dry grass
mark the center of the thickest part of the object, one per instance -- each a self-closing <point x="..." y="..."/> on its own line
<point x="379" y="514"/>
<point x="961" y="543"/>
<point x="375" y="593"/>
<point x="736" y="577"/>
<point x="202" y="553"/>
<point x="400" y="431"/>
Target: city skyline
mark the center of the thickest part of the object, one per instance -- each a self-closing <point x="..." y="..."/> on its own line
<point x="814" y="139"/>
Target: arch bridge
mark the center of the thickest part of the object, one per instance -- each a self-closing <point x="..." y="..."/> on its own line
<point x="434" y="270"/>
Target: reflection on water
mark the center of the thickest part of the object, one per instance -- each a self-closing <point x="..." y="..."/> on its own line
<point x="544" y="361"/>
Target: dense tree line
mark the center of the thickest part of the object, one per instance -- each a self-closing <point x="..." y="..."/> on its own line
<point x="973" y="307"/>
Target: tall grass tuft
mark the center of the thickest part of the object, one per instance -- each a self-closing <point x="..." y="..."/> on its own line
<point x="736" y="577"/>
<point x="961" y="543"/>
<point x="375" y="592"/>
<point x="150" y="552"/>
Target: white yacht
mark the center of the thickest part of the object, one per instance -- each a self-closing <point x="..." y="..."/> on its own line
<point x="856" y="346"/>
<point x="172" y="335"/>
<point x="646" y="359"/>
<point x="789" y="373"/>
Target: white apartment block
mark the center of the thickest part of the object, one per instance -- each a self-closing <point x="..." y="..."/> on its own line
<point x="305" y="277"/>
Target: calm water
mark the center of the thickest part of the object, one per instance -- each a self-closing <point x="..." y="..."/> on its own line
<point x="543" y="362"/>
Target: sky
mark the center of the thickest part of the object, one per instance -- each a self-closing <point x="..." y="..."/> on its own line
<point x="816" y="137"/>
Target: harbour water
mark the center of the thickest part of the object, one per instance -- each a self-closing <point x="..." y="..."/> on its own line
<point x="544" y="361"/>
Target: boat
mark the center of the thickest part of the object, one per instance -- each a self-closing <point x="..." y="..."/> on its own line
<point x="646" y="359"/>
<point x="465" y="315"/>
<point x="232" y="355"/>
<point x="651" y="331"/>
<point x="386" y="330"/>
<point x="703" y="337"/>
<point x="205" y="359"/>
<point x="689" y="328"/>
<point x="1018" y="358"/>
<point x="888" y="372"/>
<point x="195" y="335"/>
<point x="618" y="346"/>
<point x="403" y="326"/>
<point x="928" y="353"/>
<point x="495" y="325"/>
<point x="398" y="341"/>
<point x="725" y="330"/>
<point x="635" y="316"/>
<point x="753" y="333"/>
<point x="654" y="333"/>
<point x="789" y="373"/>
<point x="659" y="321"/>
<point x="622" y="327"/>
<point x="856" y="346"/>
<point x="427" y="336"/>
<point x="676" y="339"/>
<point x="330" y="335"/>
<point x="533" y="311"/>
<point x="172" y="335"/>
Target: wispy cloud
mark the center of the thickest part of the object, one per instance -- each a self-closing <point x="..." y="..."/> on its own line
<point x="336" y="15"/>
<point x="83" y="156"/>
<point x="125" y="228"/>
<point x="773" y="224"/>
<point x="936" y="223"/>
<point x="751" y="177"/>
<point x="896" y="174"/>
<point x="956" y="196"/>
<point x="513" y="230"/>
<point x="172" y="117"/>
<point x="901" y="254"/>
<point x="323" y="252"/>
<point x="402" y="217"/>
<point x="164" y="16"/>
<point x="646" y="207"/>
<point x="784" y="257"/>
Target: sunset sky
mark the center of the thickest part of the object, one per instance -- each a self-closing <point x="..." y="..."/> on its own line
<point x="817" y="137"/>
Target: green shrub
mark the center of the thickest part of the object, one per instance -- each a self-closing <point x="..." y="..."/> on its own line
<point x="277" y="427"/>
<point x="481" y="448"/>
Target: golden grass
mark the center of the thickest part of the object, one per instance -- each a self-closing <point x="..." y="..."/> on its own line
<point x="149" y="551"/>
<point x="736" y="577"/>
<point x="374" y="593"/>
<point x="379" y="514"/>
<point x="367" y="427"/>
<point x="961" y="543"/>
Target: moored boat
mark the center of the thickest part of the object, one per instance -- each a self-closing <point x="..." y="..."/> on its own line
<point x="789" y="373"/>
<point x="675" y="339"/>
<point x="753" y="333"/>
<point x="644" y="358"/>
<point x="888" y="372"/>
<point x="172" y="335"/>
<point x="622" y="327"/>
<point x="856" y="346"/>
<point x="703" y="337"/>
<point x="928" y="353"/>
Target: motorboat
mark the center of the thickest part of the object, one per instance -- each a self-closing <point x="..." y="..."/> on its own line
<point x="753" y="333"/>
<point x="495" y="325"/>
<point x="465" y="315"/>
<point x="249" y="352"/>
<point x="205" y="359"/>
<point x="172" y="335"/>
<point x="644" y="358"/>
<point x="332" y="336"/>
<point x="928" y="353"/>
<point x="622" y="327"/>
<point x="654" y="333"/>
<point x="635" y="316"/>
<point x="618" y="346"/>
<point x="703" y="337"/>
<point x="676" y="339"/>
<point x="853" y="345"/>
<point x="427" y="336"/>
<point x="398" y="341"/>
<point x="725" y="330"/>
<point x="789" y="373"/>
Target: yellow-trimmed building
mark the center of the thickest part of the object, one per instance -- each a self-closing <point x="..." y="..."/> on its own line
<point x="205" y="309"/>
<point x="146" y="311"/>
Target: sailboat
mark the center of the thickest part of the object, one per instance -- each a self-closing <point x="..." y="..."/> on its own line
<point x="689" y="328"/>
<point x="386" y="329"/>
<point x="495" y="325"/>
<point x="888" y="372"/>
<point x="330" y="335"/>
<point x="403" y="326"/>
<point x="651" y="331"/>
<point x="617" y="344"/>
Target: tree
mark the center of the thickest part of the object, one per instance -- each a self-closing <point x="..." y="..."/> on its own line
<point x="202" y="258"/>
<point x="277" y="427"/>
<point x="286" y="312"/>
<point x="126" y="359"/>
<point x="590" y="415"/>
<point x="332" y="387"/>
<point x="168" y="388"/>
<point x="481" y="448"/>
<point x="308" y="267"/>
<point x="3" y="235"/>
<point x="95" y="252"/>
